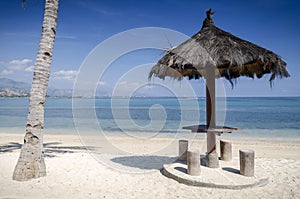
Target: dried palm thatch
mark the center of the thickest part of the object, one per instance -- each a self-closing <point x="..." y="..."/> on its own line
<point x="232" y="57"/>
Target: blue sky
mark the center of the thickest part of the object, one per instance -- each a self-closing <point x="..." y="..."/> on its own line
<point x="83" y="24"/>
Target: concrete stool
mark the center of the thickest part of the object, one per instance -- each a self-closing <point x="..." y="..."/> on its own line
<point x="183" y="147"/>
<point x="226" y="150"/>
<point x="193" y="162"/>
<point x="247" y="162"/>
<point x="212" y="160"/>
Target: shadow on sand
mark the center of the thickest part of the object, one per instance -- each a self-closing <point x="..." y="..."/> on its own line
<point x="144" y="162"/>
<point x="51" y="149"/>
<point x="231" y="170"/>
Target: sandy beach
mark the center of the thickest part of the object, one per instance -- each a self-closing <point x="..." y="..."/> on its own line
<point x="74" y="172"/>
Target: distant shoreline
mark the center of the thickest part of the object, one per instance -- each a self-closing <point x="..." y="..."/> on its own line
<point x="162" y="97"/>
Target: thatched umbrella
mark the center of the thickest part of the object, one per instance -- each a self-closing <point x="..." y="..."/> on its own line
<point x="212" y="53"/>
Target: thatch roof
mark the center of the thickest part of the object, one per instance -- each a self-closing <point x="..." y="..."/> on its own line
<point x="232" y="56"/>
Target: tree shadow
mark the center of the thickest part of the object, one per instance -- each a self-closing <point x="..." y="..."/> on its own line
<point x="51" y="149"/>
<point x="144" y="162"/>
<point x="10" y="147"/>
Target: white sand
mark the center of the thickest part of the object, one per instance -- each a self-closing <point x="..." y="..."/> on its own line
<point x="73" y="172"/>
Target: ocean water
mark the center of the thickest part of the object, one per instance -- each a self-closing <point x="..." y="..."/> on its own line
<point x="274" y="118"/>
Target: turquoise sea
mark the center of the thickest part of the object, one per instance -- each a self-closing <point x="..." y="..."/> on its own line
<point x="270" y="117"/>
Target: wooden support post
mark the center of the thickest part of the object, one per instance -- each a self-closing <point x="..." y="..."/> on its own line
<point x="211" y="116"/>
<point x="247" y="162"/>
<point x="193" y="162"/>
<point x="210" y="108"/>
<point x="183" y="147"/>
<point x="210" y="97"/>
<point x="226" y="150"/>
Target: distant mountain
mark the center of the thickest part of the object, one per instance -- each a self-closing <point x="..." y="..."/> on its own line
<point x="12" y="88"/>
<point x="14" y="85"/>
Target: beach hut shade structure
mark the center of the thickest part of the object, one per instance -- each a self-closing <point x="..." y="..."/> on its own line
<point x="212" y="53"/>
<point x="231" y="56"/>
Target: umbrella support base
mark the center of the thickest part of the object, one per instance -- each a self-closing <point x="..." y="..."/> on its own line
<point x="212" y="160"/>
<point x="225" y="177"/>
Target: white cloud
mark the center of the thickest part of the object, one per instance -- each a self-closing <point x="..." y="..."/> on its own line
<point x="65" y="74"/>
<point x="20" y="62"/>
<point x="122" y="83"/>
<point x="101" y="83"/>
<point x="16" y="65"/>
<point x="29" y="69"/>
<point x="7" y="72"/>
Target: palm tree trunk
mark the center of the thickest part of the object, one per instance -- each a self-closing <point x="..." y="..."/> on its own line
<point x="31" y="160"/>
